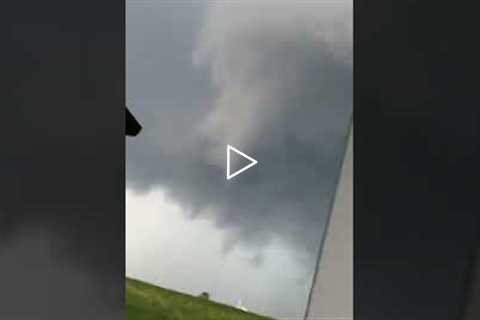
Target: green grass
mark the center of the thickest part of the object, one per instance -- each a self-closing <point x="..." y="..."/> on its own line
<point x="147" y="302"/>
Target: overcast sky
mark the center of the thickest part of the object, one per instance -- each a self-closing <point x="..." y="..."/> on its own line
<point x="273" y="79"/>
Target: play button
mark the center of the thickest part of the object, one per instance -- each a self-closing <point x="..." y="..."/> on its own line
<point x="251" y="163"/>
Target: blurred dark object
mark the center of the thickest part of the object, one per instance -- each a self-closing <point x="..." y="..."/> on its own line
<point x="204" y="295"/>
<point x="132" y="126"/>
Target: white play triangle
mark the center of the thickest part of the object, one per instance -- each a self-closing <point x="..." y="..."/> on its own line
<point x="251" y="164"/>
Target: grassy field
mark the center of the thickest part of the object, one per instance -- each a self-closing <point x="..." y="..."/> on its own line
<point x="147" y="302"/>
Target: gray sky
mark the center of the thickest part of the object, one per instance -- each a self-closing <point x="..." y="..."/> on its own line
<point x="273" y="79"/>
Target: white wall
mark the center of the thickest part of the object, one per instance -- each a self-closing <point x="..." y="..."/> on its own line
<point x="332" y="292"/>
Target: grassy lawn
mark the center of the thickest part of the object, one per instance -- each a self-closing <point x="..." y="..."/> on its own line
<point x="147" y="302"/>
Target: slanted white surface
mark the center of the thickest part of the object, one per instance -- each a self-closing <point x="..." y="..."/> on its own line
<point x="332" y="292"/>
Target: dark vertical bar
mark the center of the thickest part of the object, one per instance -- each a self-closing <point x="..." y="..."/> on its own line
<point x="62" y="173"/>
<point x="417" y="125"/>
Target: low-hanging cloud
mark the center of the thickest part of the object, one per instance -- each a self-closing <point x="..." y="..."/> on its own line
<point x="281" y="74"/>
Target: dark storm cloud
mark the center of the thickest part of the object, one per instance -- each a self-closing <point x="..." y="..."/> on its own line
<point x="282" y="78"/>
<point x="61" y="175"/>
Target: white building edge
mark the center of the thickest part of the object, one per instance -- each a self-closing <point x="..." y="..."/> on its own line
<point x="331" y="297"/>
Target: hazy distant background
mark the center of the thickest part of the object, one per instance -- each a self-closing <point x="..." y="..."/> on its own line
<point x="273" y="79"/>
